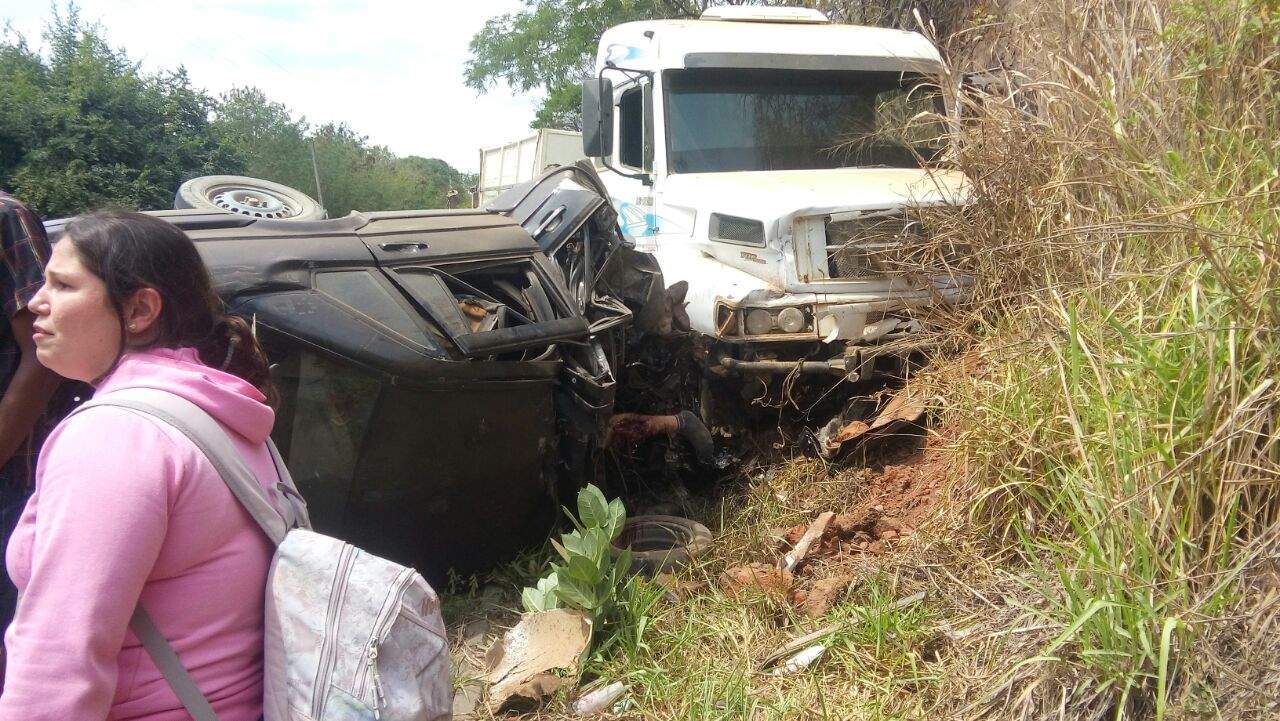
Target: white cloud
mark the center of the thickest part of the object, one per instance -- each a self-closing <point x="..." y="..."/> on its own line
<point x="390" y="69"/>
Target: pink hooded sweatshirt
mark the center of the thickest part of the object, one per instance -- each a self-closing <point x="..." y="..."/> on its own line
<point x="126" y="508"/>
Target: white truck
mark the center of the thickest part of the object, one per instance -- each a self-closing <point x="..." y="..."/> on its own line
<point x="523" y="160"/>
<point x="770" y="159"/>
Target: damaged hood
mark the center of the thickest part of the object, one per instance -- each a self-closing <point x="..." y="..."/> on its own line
<point x="773" y="195"/>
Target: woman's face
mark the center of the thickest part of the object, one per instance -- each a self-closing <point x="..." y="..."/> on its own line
<point x="77" y="330"/>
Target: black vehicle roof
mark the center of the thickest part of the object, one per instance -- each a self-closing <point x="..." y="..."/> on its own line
<point x="434" y="233"/>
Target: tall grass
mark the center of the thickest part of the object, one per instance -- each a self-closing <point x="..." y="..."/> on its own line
<point x="1121" y="434"/>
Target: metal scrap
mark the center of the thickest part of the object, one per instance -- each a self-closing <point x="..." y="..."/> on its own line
<point x="904" y="407"/>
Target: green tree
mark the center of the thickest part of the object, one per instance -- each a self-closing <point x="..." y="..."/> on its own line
<point x="551" y="45"/>
<point x="438" y="178"/>
<point x="265" y="138"/>
<point x="85" y="128"/>
<point x="354" y="175"/>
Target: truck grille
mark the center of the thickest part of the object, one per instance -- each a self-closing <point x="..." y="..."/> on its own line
<point x="874" y="247"/>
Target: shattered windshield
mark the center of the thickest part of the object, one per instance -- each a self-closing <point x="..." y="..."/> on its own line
<point x="745" y="119"/>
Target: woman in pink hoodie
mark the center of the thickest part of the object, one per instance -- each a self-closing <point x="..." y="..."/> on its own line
<point x="126" y="509"/>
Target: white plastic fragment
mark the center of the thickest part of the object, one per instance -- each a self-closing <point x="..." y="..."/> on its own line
<point x="599" y="700"/>
<point x="802" y="659"/>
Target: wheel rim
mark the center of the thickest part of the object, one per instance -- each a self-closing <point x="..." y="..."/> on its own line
<point x="254" y="202"/>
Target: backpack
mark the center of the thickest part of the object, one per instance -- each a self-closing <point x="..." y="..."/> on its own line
<point x="349" y="636"/>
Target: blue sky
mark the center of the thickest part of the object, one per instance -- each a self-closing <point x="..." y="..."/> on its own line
<point x="391" y="69"/>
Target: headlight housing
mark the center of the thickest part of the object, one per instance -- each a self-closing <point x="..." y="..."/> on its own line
<point x="757" y="322"/>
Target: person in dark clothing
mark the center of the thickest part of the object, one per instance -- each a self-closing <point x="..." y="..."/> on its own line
<point x="30" y="399"/>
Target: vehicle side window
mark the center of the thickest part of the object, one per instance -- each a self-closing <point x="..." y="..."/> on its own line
<point x="357" y="289"/>
<point x="635" y="127"/>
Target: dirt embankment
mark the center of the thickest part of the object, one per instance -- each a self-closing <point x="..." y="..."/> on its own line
<point x="902" y="490"/>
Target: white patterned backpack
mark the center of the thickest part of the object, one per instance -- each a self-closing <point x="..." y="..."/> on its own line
<point x="349" y="636"/>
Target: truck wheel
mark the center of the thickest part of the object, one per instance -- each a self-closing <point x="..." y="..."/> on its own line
<point x="247" y="196"/>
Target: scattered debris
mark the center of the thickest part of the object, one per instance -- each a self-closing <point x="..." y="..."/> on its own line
<point x="473" y="634"/>
<point x="772" y="582"/>
<point x="466" y="699"/>
<point x="815" y="531"/>
<point x="862" y="531"/>
<point x="847" y="432"/>
<point x="824" y="594"/>
<point x="849" y="525"/>
<point x="801" y="660"/>
<point x="803" y="642"/>
<point x="902" y="408"/>
<point x="519" y="665"/>
<point x="528" y="695"/>
<point x="599" y="700"/>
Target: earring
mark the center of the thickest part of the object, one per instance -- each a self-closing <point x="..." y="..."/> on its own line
<point x="133" y="327"/>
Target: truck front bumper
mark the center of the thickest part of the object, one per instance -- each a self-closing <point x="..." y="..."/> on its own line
<point x="838" y="359"/>
<point x="843" y="335"/>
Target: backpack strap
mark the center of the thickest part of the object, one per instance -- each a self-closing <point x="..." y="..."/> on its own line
<point x="166" y="659"/>
<point x="203" y="431"/>
<point x="207" y="435"/>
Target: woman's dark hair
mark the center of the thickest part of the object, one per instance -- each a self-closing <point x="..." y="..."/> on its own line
<point x="129" y="251"/>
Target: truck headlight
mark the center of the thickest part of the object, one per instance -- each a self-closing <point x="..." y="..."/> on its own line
<point x="791" y="320"/>
<point x="759" y="322"/>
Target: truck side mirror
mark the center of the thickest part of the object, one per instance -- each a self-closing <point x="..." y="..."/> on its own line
<point x="597" y="117"/>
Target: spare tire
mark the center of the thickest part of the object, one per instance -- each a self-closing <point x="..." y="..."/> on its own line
<point x="247" y="196"/>
<point x="660" y="544"/>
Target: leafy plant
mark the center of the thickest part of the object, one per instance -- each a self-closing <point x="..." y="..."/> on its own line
<point x="591" y="572"/>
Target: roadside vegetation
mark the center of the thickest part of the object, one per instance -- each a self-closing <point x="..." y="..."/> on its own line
<point x="1104" y="540"/>
<point x="82" y="127"/>
<point x="1118" y="404"/>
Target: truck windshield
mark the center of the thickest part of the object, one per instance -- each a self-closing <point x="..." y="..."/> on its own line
<point x="721" y="119"/>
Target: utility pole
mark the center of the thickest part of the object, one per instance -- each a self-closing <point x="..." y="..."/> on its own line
<point x="316" y="170"/>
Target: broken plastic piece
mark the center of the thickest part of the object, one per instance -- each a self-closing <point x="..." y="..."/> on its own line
<point x="801" y="660"/>
<point x="902" y="408"/>
<point x="599" y="700"/>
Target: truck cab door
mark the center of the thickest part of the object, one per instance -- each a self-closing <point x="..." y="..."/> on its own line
<point x="633" y="151"/>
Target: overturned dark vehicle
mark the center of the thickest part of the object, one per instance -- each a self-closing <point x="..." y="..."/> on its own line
<point x="445" y="376"/>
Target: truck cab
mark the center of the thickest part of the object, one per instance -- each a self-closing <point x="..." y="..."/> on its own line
<point x="773" y="160"/>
